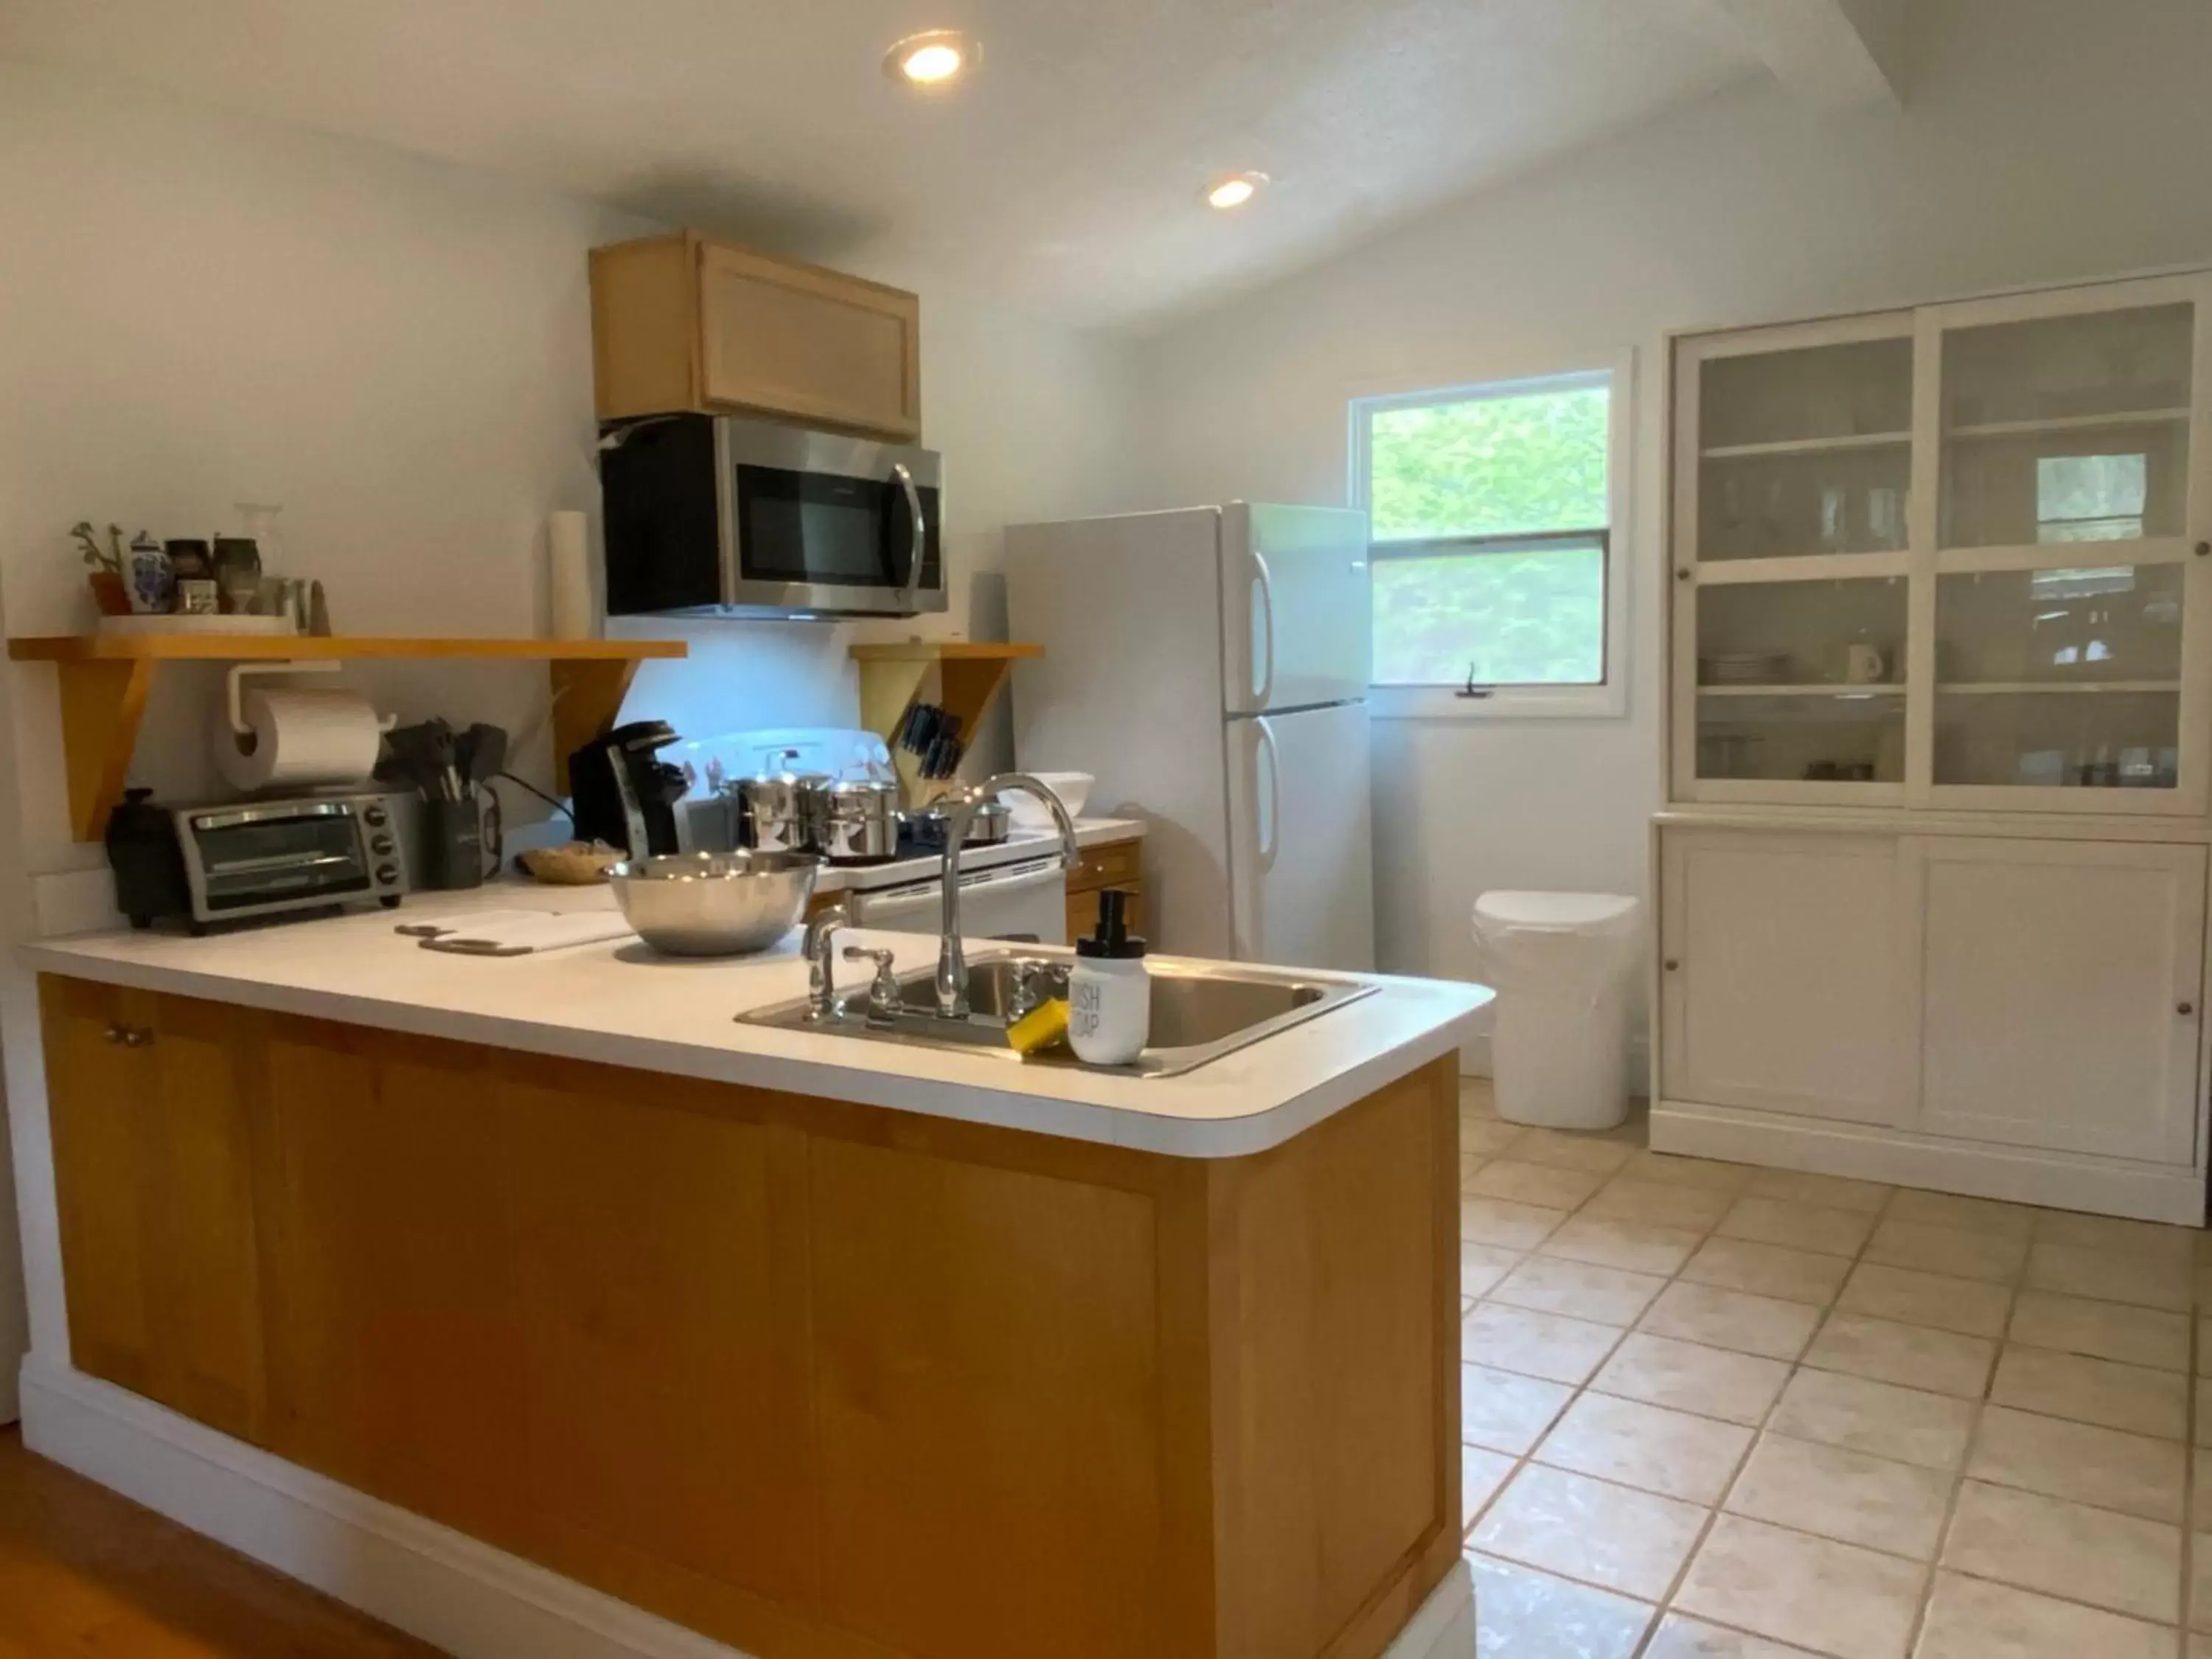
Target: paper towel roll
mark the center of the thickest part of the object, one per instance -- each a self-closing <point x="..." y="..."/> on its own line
<point x="300" y="740"/>
<point x="568" y="561"/>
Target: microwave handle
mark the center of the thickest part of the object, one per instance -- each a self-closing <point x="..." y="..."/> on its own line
<point x="920" y="533"/>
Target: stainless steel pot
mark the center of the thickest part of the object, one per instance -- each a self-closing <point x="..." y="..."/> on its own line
<point x="992" y="821"/>
<point x="715" y="904"/>
<point x="781" y="810"/>
<point x="858" y="821"/>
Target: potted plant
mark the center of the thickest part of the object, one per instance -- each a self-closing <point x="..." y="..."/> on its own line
<point x="104" y="566"/>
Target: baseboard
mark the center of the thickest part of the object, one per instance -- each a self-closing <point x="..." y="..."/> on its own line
<point x="2062" y="1181"/>
<point x="1443" y="1627"/>
<point x="434" y="1583"/>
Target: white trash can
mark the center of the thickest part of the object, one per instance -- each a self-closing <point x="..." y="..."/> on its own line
<point x="1560" y="964"/>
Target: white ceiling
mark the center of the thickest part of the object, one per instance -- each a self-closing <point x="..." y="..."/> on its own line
<point x="1064" y="177"/>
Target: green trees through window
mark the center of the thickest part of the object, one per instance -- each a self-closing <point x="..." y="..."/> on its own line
<point x="1468" y="497"/>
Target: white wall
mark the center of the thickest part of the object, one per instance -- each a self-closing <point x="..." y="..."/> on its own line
<point x="199" y="309"/>
<point x="2044" y="141"/>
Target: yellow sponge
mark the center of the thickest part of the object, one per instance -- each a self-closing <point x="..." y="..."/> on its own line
<point x="1041" y="1028"/>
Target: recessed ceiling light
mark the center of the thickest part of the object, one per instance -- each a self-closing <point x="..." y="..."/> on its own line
<point x="933" y="60"/>
<point x="1235" y="190"/>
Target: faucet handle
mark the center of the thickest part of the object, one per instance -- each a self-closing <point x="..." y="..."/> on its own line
<point x="885" y="998"/>
<point x="821" y="980"/>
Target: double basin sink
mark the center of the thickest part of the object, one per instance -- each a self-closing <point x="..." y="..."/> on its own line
<point x="1200" y="1011"/>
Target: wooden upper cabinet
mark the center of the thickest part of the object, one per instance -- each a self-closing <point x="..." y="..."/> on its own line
<point x="680" y="323"/>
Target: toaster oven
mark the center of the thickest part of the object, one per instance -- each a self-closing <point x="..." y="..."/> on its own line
<point x="242" y="860"/>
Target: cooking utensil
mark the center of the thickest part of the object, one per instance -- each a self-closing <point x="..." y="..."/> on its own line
<point x="858" y="821"/>
<point x="991" y="822"/>
<point x="781" y="810"/>
<point x="715" y="904"/>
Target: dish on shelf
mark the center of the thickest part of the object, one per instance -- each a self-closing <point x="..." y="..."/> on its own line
<point x="1744" y="668"/>
<point x="177" y="623"/>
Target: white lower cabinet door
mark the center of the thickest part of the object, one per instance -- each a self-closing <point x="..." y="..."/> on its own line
<point x="2061" y="985"/>
<point x="1785" y="983"/>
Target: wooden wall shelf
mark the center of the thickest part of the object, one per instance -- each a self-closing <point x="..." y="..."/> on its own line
<point x="962" y="677"/>
<point x="105" y="679"/>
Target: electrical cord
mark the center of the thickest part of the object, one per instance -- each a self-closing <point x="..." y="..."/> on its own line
<point x="557" y="804"/>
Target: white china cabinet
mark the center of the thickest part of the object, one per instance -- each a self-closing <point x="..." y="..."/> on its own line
<point x="1931" y="880"/>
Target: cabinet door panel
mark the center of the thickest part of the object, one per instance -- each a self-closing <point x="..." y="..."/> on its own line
<point x="393" y="1339"/>
<point x="669" y="1409"/>
<point x="2056" y="973"/>
<point x="97" y="1094"/>
<point x="1786" y="993"/>
<point x="989" y="1392"/>
<point x="787" y="339"/>
<point x="205" y="1273"/>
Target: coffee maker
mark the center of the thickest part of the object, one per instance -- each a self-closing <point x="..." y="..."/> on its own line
<point x="622" y="795"/>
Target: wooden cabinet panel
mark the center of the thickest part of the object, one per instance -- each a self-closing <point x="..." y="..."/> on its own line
<point x="207" y="1317"/>
<point x="154" y="1182"/>
<point x="680" y="323"/>
<point x="96" y="1095"/>
<point x="789" y="339"/>
<point x="394" y="1334"/>
<point x="2063" y="987"/>
<point x="989" y="1407"/>
<point x="670" y="1407"/>
<point x="1791" y="988"/>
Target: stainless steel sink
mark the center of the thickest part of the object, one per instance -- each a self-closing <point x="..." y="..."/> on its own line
<point x="1201" y="1012"/>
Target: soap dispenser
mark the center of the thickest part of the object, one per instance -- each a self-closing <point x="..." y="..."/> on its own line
<point x="1110" y="995"/>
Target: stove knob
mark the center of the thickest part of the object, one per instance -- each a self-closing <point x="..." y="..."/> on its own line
<point x="379" y="844"/>
<point x="375" y="816"/>
<point x="387" y="875"/>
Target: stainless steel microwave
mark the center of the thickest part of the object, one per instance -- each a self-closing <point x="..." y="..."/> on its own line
<point x="711" y="516"/>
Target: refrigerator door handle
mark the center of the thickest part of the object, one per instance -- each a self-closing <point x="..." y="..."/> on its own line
<point x="1263" y="689"/>
<point x="1272" y="839"/>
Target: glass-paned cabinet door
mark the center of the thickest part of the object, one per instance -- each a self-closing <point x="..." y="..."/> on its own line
<point x="1806" y="450"/>
<point x="2065" y="678"/>
<point x="1795" y="690"/>
<point x="2072" y="427"/>
<point x="2068" y="589"/>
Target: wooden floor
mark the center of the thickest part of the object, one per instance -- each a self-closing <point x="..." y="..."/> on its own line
<point x="87" y="1575"/>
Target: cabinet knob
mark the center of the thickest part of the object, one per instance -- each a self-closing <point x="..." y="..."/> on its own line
<point x="1682" y="574"/>
<point x="136" y="1037"/>
<point x="1670" y="964"/>
<point x="2202" y="548"/>
<point x="113" y="1034"/>
<point x="2185" y="1008"/>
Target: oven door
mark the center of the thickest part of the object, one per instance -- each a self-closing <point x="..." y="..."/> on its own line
<point x="816" y="523"/>
<point x="1027" y="901"/>
<point x="240" y="859"/>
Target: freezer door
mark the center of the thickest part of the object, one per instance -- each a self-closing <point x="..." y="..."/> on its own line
<point x="1301" y="841"/>
<point x="1296" y="608"/>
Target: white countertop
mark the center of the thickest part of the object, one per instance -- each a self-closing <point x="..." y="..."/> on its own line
<point x="620" y="1004"/>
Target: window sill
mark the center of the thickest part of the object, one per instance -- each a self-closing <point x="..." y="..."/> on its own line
<point x="1440" y="702"/>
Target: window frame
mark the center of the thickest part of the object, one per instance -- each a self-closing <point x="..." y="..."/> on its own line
<point x="1608" y="698"/>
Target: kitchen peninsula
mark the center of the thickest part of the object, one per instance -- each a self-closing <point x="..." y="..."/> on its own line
<point x="824" y="1348"/>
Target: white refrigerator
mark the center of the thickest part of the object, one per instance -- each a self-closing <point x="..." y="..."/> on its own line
<point x="1210" y="665"/>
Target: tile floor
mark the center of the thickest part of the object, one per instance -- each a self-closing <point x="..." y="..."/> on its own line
<point x="1719" y="1413"/>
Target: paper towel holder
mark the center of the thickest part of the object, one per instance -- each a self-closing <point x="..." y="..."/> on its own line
<point x="233" y="684"/>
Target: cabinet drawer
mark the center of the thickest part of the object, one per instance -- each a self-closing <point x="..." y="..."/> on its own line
<point x="1111" y="864"/>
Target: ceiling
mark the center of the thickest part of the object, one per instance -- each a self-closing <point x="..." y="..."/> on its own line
<point x="1064" y="177"/>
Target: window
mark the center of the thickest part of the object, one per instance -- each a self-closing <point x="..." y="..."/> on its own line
<point x="2091" y="498"/>
<point x="1491" y="513"/>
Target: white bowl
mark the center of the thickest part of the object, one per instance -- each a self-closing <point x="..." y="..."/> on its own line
<point x="1073" y="789"/>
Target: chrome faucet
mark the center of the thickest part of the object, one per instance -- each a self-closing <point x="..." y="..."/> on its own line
<point x="951" y="961"/>
<point x="819" y="947"/>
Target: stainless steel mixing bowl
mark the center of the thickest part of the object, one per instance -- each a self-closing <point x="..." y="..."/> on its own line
<point x="715" y="904"/>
